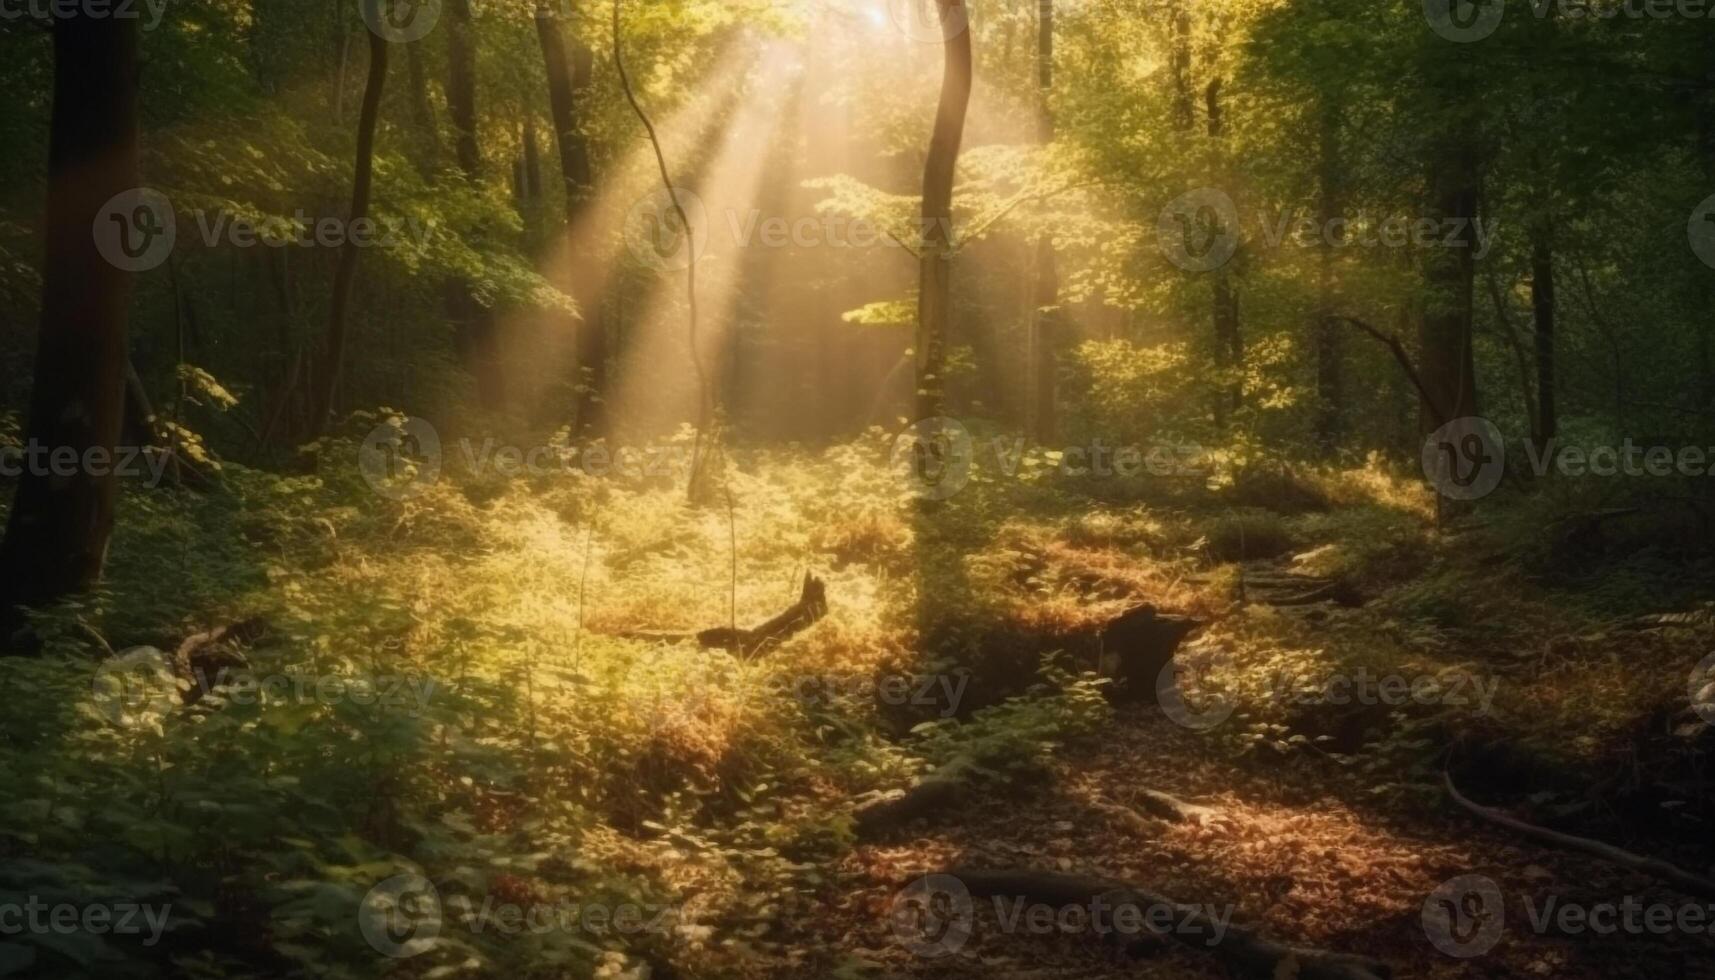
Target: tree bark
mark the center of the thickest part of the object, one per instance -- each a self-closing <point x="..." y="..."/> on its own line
<point x="935" y="292"/>
<point x="57" y="534"/>
<point x="333" y="359"/>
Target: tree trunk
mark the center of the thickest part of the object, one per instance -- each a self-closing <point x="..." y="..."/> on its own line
<point x="1046" y="315"/>
<point x="935" y="293"/>
<point x="333" y="359"/>
<point x="1330" y="394"/>
<point x="1229" y="342"/>
<point x="476" y="330"/>
<point x="422" y="114"/>
<point x="566" y="79"/>
<point x="1184" y="107"/>
<point x="531" y="184"/>
<point x="461" y="87"/>
<point x="1448" y="364"/>
<point x="57" y="535"/>
<point x="1543" y="303"/>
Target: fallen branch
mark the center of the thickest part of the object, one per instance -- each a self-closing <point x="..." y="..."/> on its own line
<point x="811" y="606"/>
<point x="1160" y="808"/>
<point x="1240" y="948"/>
<point x="1172" y="808"/>
<point x="203" y="657"/>
<point x="1679" y="878"/>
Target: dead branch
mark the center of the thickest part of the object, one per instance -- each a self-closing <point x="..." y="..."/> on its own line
<point x="1399" y="354"/>
<point x="1683" y="880"/>
<point x="811" y="606"/>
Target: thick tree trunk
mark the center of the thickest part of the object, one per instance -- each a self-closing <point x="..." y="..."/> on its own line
<point x="57" y="534"/>
<point x="333" y="358"/>
<point x="567" y="77"/>
<point x="1448" y="364"/>
<point x="461" y="86"/>
<point x="935" y="292"/>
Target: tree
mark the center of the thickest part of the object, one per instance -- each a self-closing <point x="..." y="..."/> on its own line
<point x="475" y="325"/>
<point x="1448" y="361"/>
<point x="566" y="79"/>
<point x="345" y="274"/>
<point x="1045" y="326"/>
<point x="57" y="535"/>
<point x="935" y="282"/>
<point x="1229" y="342"/>
<point x="1330" y="394"/>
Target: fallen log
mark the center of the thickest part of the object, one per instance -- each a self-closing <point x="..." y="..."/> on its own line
<point x="811" y="606"/>
<point x="1240" y="948"/>
<point x="1685" y="881"/>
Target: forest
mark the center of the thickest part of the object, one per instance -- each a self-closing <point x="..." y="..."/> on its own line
<point x="857" y="489"/>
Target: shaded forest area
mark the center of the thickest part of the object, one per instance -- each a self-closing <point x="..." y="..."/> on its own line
<point x="857" y="488"/>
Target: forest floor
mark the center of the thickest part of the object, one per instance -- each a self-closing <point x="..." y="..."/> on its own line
<point x="1343" y="850"/>
<point x="555" y="763"/>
